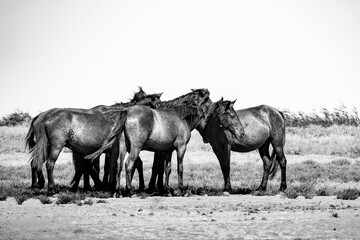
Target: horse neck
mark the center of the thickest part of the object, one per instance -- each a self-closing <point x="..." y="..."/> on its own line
<point x="210" y="113"/>
<point x="193" y="122"/>
<point x="188" y="114"/>
<point x="179" y="100"/>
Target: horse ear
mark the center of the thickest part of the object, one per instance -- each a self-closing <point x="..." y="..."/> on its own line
<point x="229" y="105"/>
<point x="159" y="95"/>
<point x="232" y="103"/>
<point x="140" y="89"/>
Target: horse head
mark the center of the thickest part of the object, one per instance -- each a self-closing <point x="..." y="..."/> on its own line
<point x="228" y="118"/>
<point x="224" y="112"/>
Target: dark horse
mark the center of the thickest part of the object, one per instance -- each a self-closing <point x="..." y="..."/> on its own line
<point x="263" y="126"/>
<point x="221" y="111"/>
<point x="158" y="130"/>
<point x="81" y="130"/>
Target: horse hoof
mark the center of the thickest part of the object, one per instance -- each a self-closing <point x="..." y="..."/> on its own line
<point x="151" y="190"/>
<point x="226" y="193"/>
<point x="116" y="195"/>
<point x="177" y="193"/>
<point x="258" y="193"/>
<point x="281" y="195"/>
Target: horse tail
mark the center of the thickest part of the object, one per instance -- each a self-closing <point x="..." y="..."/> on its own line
<point x="30" y="136"/>
<point x="284" y="126"/>
<point x="109" y="141"/>
<point x="274" y="165"/>
<point x="39" y="153"/>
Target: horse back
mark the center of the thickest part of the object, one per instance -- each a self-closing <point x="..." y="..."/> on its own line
<point x="77" y="129"/>
<point x="154" y="129"/>
<point x="262" y="120"/>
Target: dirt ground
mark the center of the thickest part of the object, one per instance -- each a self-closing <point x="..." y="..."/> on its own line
<point x="194" y="217"/>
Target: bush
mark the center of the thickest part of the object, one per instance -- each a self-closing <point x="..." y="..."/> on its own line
<point x="21" y="198"/>
<point x="3" y="197"/>
<point x="348" y="194"/>
<point x="15" y="119"/>
<point x="305" y="189"/>
<point x="44" y="199"/>
<point x="65" y="198"/>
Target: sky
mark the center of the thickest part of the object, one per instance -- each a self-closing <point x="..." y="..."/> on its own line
<point x="296" y="55"/>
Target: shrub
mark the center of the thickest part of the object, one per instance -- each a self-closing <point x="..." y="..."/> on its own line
<point x="16" y="118"/>
<point x="291" y="193"/>
<point x="348" y="194"/>
<point x="3" y="197"/>
<point x="305" y="189"/>
<point x="65" y="198"/>
<point x="21" y="198"/>
<point x="44" y="199"/>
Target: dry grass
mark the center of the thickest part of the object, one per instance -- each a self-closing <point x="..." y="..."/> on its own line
<point x="321" y="161"/>
<point x="335" y="140"/>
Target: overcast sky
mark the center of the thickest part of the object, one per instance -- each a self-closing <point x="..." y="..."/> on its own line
<point x="297" y="55"/>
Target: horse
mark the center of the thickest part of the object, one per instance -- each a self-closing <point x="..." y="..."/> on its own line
<point x="139" y="97"/>
<point x="78" y="164"/>
<point x="221" y="111"/>
<point x="263" y="125"/>
<point x="158" y="130"/>
<point x="81" y="130"/>
<point x="193" y="98"/>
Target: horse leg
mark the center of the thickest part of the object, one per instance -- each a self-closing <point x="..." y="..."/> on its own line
<point x="41" y="179"/>
<point x="114" y="154"/>
<point x="167" y="162"/>
<point x="129" y="164"/>
<point x="222" y="152"/>
<point x="86" y="174"/>
<point x="50" y="163"/>
<point x="180" y="157"/>
<point x="106" y="170"/>
<point x="280" y="157"/>
<point x="78" y="163"/>
<point x="154" y="173"/>
<point x="122" y="153"/>
<point x="95" y="165"/>
<point x="37" y="177"/>
<point x="94" y="174"/>
<point x="267" y="162"/>
<point x="138" y="165"/>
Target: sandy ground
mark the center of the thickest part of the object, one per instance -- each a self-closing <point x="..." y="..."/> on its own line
<point x="195" y="217"/>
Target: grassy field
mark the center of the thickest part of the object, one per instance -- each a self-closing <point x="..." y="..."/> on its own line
<point x="321" y="161"/>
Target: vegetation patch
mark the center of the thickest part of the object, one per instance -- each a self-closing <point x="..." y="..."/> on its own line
<point x="21" y="198"/>
<point x="44" y="199"/>
<point x="348" y="194"/>
<point x="308" y="178"/>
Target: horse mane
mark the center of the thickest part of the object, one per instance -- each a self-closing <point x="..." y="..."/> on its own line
<point x="141" y="94"/>
<point x="122" y="104"/>
<point x="212" y="108"/>
<point x="187" y="99"/>
<point x="138" y="95"/>
<point x="187" y="113"/>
